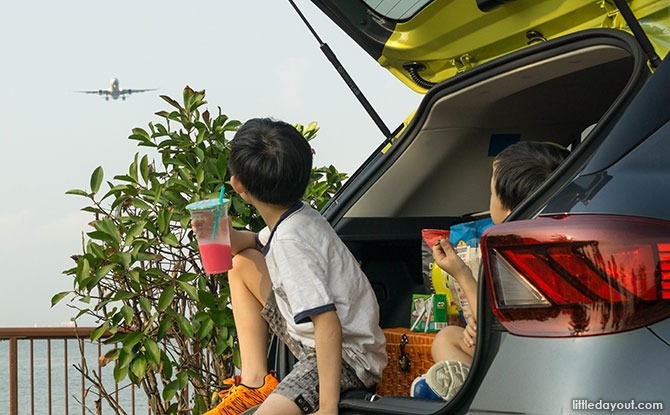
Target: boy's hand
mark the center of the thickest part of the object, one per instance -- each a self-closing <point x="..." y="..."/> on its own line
<point x="446" y="258"/>
<point x="239" y="240"/>
<point x="470" y="333"/>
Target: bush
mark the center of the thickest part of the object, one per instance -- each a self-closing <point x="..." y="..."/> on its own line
<point x="139" y="272"/>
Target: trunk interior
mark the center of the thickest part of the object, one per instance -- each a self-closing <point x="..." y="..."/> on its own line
<point x="439" y="173"/>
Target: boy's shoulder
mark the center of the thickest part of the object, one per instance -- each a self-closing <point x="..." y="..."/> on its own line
<point x="305" y="223"/>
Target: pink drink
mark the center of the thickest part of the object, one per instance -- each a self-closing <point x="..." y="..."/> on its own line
<point x="216" y="258"/>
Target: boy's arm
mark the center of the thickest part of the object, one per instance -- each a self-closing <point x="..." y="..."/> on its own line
<point x="328" y="342"/>
<point x="446" y="258"/>
<point x="241" y="239"/>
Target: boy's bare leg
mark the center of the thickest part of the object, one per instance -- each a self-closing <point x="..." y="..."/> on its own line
<point x="449" y="345"/>
<point x="249" y="288"/>
<point x="278" y="404"/>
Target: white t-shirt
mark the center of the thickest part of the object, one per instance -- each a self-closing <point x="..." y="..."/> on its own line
<point x="312" y="272"/>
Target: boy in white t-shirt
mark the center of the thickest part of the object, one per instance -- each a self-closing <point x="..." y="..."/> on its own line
<point x="297" y="278"/>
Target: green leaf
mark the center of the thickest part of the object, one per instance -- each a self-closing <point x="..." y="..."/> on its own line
<point x="127" y="313"/>
<point x="167" y="366"/>
<point x="185" y="325"/>
<point x="163" y="327"/>
<point x="170" y="239"/>
<point x="187" y="277"/>
<point x="222" y="318"/>
<point x="56" y="298"/>
<point x="97" y="333"/>
<point x="153" y="351"/>
<point x="182" y="378"/>
<point x="120" y="373"/>
<point x="96" y="179"/>
<point x="115" y="338"/>
<point x="220" y="347"/>
<point x="165" y="299"/>
<point x="99" y="275"/>
<point x="207" y="299"/>
<point x="83" y="273"/>
<point x="107" y="226"/>
<point x="145" y="304"/>
<point x="135" y="230"/>
<point x="95" y="250"/>
<point x="132" y="171"/>
<point x="141" y="204"/>
<point x="124" y="258"/>
<point x="102" y="236"/>
<point x="232" y="125"/>
<point x="104" y="270"/>
<point x="125" y="357"/>
<point x="171" y="101"/>
<point x="134" y="275"/>
<point x="77" y="192"/>
<point x="140" y="134"/>
<point x="237" y="358"/>
<point x="131" y="340"/>
<point x="170" y="390"/>
<point x="189" y="289"/>
<point x="113" y="354"/>
<point x="144" y="168"/>
<point x="123" y="295"/>
<point x="205" y="329"/>
<point x="139" y="366"/>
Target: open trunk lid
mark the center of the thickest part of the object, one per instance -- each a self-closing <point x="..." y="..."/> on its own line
<point x="425" y="42"/>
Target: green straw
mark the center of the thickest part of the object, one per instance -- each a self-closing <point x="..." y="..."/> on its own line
<point x="218" y="212"/>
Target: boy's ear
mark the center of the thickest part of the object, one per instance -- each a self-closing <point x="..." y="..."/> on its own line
<point x="237" y="185"/>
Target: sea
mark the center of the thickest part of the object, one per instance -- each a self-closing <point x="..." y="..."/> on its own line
<point x="60" y="399"/>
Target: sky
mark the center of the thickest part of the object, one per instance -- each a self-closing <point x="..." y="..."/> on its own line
<point x="253" y="58"/>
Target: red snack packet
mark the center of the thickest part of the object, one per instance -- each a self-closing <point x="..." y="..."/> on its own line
<point x="431" y="236"/>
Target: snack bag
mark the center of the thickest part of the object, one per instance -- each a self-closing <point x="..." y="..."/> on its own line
<point x="435" y="279"/>
<point x="433" y="283"/>
<point x="429" y="312"/>
<point x="465" y="239"/>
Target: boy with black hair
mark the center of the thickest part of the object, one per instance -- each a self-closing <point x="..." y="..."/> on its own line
<point x="518" y="171"/>
<point x="297" y="278"/>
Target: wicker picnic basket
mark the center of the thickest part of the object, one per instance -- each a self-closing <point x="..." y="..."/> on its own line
<point x="403" y="346"/>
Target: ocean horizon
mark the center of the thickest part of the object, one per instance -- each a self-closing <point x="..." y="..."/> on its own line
<point x="74" y="380"/>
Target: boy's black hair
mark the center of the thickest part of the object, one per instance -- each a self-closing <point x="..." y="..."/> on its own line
<point x="522" y="167"/>
<point x="272" y="160"/>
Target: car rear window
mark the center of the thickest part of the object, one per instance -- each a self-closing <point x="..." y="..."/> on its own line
<point x="398" y="9"/>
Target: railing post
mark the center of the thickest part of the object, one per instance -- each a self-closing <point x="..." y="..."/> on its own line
<point x="13" y="378"/>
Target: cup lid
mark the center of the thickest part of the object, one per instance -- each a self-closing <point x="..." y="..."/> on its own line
<point x="207" y="204"/>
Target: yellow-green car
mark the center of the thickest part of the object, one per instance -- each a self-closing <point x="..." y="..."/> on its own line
<point x="573" y="298"/>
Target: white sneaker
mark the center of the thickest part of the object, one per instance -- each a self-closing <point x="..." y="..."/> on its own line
<point x="446" y="378"/>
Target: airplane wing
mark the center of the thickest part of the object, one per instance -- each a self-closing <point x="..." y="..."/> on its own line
<point x="99" y="92"/>
<point x="134" y="91"/>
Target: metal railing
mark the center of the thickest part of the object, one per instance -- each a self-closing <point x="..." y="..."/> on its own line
<point x="26" y="340"/>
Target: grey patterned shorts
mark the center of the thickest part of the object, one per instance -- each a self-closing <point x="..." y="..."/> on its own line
<point x="301" y="385"/>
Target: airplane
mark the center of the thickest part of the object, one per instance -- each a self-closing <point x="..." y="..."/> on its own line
<point x="115" y="92"/>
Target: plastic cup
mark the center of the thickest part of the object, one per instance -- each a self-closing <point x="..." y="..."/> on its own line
<point x="209" y="218"/>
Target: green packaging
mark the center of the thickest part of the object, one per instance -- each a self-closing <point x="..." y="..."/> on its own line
<point x="429" y="312"/>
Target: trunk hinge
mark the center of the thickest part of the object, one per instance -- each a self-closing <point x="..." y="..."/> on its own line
<point x="636" y="28"/>
<point x="348" y="80"/>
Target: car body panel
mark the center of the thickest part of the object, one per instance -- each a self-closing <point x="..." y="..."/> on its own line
<point x="447" y="37"/>
<point x="541" y="376"/>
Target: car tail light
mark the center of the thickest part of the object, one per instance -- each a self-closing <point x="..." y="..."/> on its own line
<point x="578" y="275"/>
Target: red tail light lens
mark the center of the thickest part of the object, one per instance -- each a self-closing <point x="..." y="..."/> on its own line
<point x="578" y="275"/>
